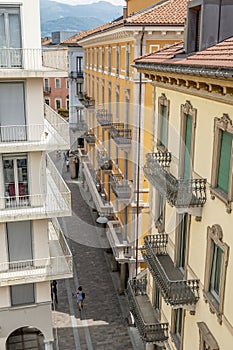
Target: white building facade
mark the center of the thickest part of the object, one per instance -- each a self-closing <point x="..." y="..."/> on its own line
<point x="33" y="249"/>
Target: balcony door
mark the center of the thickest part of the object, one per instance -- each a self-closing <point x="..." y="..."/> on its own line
<point x="15" y="172"/>
<point x="10" y="38"/>
<point x="12" y="112"/>
<point x="19" y="238"/>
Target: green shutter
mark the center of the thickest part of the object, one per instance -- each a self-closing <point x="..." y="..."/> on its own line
<point x="188" y="147"/>
<point x="225" y="161"/>
<point x="163" y="126"/>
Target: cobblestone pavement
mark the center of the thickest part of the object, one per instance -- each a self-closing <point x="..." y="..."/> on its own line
<point x="102" y="323"/>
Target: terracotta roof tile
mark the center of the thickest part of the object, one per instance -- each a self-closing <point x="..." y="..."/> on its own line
<point x="219" y="55"/>
<point x="169" y="12"/>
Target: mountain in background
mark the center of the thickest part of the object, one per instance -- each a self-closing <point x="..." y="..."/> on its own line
<point x="56" y="16"/>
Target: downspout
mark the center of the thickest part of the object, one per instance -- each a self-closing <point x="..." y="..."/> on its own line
<point x="139" y="153"/>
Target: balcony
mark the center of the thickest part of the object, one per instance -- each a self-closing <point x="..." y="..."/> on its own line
<point x="121" y="248"/>
<point x="104" y="118"/>
<point x="76" y="75"/>
<point x="150" y="329"/>
<point x="57" y="265"/>
<point x="120" y="187"/>
<point x="82" y="154"/>
<point x="19" y="62"/>
<point x="176" y="291"/>
<point x="52" y="134"/>
<point x="186" y="195"/>
<point x="102" y="206"/>
<point x="89" y="138"/>
<point x="121" y="135"/>
<point x="103" y="160"/>
<point x="55" y="201"/>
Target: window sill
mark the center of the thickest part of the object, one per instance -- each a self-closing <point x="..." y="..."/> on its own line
<point x="217" y="192"/>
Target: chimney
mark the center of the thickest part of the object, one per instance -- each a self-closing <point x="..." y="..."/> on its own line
<point x="125" y="12"/>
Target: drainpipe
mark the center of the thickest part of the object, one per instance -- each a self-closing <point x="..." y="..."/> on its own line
<point x="139" y="153"/>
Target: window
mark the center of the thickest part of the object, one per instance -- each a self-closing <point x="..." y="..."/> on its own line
<point x="182" y="239"/>
<point x="163" y="113"/>
<point x="67" y="83"/>
<point x="103" y="57"/>
<point x="109" y="60"/>
<point x="12" y="112"/>
<point x="97" y="59"/>
<point x="15" y="172"/>
<point x="92" y="57"/>
<point x="67" y="103"/>
<point x="127" y="60"/>
<point x="207" y="340"/>
<point x="88" y="58"/>
<point x="46" y="85"/>
<point x="187" y="133"/>
<point x="79" y="88"/>
<point x="177" y="324"/>
<point x="159" y="212"/>
<point x="194" y="29"/>
<point x="117" y="60"/>
<point x="47" y="101"/>
<point x="103" y="97"/>
<point x="79" y="64"/>
<point x="19" y="242"/>
<point x="57" y="83"/>
<point x="58" y="103"/>
<point x="215" y="270"/>
<point x="10" y="37"/>
<point x="127" y="107"/>
<point x="97" y="91"/>
<point x="221" y="177"/>
<point x="22" y="294"/>
<point x="157" y="302"/>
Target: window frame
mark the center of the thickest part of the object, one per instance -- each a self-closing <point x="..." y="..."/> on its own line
<point x="206" y="337"/>
<point x="109" y="59"/>
<point x="223" y="124"/>
<point x="57" y="83"/>
<point x="176" y="339"/>
<point x="117" y="60"/>
<point x="160" y="223"/>
<point x="215" y="235"/>
<point x="162" y="101"/>
<point x="60" y="101"/>
<point x="186" y="110"/>
<point x="178" y="242"/>
<point x="127" y="61"/>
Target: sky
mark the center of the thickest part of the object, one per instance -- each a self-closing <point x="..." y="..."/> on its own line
<point x="78" y="2"/>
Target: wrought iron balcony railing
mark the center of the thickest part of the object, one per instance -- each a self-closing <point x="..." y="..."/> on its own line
<point x="175" y="290"/>
<point x="58" y="265"/>
<point x="120" y="187"/>
<point x="180" y="193"/>
<point x="121" y="248"/>
<point x="104" y="162"/>
<point x="150" y="330"/>
<point x="121" y="134"/>
<point x="76" y="75"/>
<point x="102" y="206"/>
<point x="104" y="118"/>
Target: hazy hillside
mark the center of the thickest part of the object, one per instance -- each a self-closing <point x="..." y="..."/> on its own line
<point x="57" y="16"/>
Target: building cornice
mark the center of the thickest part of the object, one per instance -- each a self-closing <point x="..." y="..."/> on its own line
<point x="130" y="33"/>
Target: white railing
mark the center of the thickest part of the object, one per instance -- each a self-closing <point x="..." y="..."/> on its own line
<point x="31" y="59"/>
<point x="22" y="133"/>
<point x="121" y="248"/>
<point x="103" y="208"/>
<point x="58" y="264"/>
<point x="58" y="124"/>
<point x="55" y="202"/>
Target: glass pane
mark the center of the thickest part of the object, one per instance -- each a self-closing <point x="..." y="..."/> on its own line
<point x="178" y="322"/>
<point x="225" y="161"/>
<point x="188" y="146"/>
<point x="22" y="294"/>
<point x="182" y="240"/>
<point x="2" y="32"/>
<point x="14" y="31"/>
<point x="216" y="268"/>
<point x="9" y="179"/>
<point x="22" y="177"/>
<point x="163" y="125"/>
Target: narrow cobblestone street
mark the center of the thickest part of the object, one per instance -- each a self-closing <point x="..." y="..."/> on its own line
<point x="102" y="324"/>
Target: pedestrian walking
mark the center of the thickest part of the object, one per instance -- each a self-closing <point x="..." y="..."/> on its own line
<point x="80" y="296"/>
<point x="67" y="164"/>
<point x="54" y="291"/>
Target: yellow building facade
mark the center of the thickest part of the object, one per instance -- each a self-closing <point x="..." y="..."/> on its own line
<point x="188" y="249"/>
<point x="123" y="106"/>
